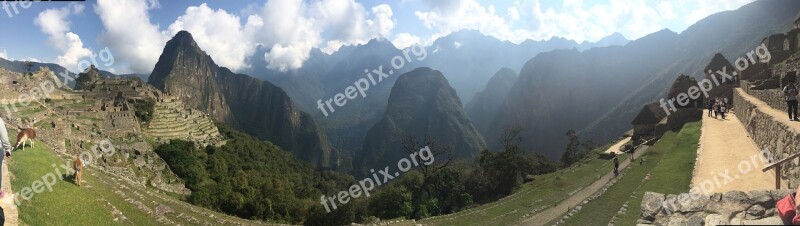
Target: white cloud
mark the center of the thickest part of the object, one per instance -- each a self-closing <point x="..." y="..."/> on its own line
<point x="4" y="55"/>
<point x="405" y="40"/>
<point x="332" y="46"/>
<point x="574" y="19"/>
<point x="450" y="16"/>
<point x="289" y="31"/>
<point x="382" y="23"/>
<point x="290" y="28"/>
<point x="218" y="33"/>
<point x="55" y="24"/>
<point x="31" y="59"/>
<point x="456" y="45"/>
<point x="513" y="13"/>
<point x="129" y="33"/>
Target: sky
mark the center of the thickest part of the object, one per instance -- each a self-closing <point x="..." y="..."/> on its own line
<point x="135" y="31"/>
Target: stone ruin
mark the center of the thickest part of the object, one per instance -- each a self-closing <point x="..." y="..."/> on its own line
<point x="733" y="207"/>
<point x="101" y="108"/>
<point x="653" y="120"/>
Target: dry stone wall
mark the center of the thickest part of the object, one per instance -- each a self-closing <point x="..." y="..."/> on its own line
<point x="734" y="208"/>
<point x="772" y="136"/>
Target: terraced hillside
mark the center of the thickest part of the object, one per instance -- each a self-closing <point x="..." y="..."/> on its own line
<point x="173" y="120"/>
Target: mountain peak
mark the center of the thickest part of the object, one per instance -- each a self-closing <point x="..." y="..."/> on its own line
<point x="183" y="40"/>
<point x="421" y="104"/>
<point x="613" y="39"/>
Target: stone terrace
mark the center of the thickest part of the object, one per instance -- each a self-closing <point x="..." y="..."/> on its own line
<point x="172" y="120"/>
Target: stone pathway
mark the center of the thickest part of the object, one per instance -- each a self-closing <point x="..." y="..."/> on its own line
<point x="563" y="207"/>
<point x="727" y="159"/>
<point x="776" y="114"/>
<point x="7" y="202"/>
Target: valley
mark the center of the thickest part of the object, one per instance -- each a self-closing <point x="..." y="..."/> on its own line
<point x="339" y="112"/>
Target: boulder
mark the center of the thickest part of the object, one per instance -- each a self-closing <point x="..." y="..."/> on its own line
<point x="764" y="221"/>
<point x="762" y="198"/>
<point x="735" y="197"/>
<point x="651" y="205"/>
<point x="755" y="212"/>
<point x="715" y="219"/>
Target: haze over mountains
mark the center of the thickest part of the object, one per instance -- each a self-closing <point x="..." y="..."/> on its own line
<point x="422" y="104"/>
<point x="594" y="88"/>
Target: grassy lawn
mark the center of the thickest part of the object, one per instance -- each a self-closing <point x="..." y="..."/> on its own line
<point x="669" y="162"/>
<point x="67" y="203"/>
<point x="544" y="192"/>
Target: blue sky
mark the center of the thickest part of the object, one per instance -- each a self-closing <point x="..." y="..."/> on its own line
<point x="135" y="31"/>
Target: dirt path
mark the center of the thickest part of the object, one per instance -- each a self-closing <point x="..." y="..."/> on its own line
<point x="7" y="202"/>
<point x="776" y="114"/>
<point x="563" y="207"/>
<point x="727" y="159"/>
<point x="615" y="147"/>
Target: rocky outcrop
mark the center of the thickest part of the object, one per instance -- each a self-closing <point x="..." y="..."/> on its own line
<point x="734" y="207"/>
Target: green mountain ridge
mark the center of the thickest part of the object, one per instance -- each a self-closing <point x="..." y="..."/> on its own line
<point x="422" y="104"/>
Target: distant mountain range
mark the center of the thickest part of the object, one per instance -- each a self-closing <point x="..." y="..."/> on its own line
<point x="598" y="91"/>
<point x="467" y="67"/>
<point x="483" y="108"/>
<point x="595" y="88"/>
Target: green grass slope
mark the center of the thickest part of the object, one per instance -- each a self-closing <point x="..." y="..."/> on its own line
<point x="103" y="199"/>
<point x="544" y="192"/>
<point x="667" y="169"/>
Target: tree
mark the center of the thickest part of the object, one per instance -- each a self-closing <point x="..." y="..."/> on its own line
<point x="573" y="149"/>
<point x="411" y="144"/>
<point x="422" y="205"/>
<point x="511" y="137"/>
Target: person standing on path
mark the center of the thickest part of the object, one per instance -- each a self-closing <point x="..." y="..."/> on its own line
<point x="727" y="102"/>
<point x="710" y="108"/>
<point x="616" y="165"/>
<point x="790" y="93"/>
<point x="5" y="144"/>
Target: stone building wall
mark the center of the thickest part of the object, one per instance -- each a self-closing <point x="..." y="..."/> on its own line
<point x="734" y="208"/>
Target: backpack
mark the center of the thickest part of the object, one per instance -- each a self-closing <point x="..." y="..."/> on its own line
<point x="790" y="90"/>
<point x="786" y="210"/>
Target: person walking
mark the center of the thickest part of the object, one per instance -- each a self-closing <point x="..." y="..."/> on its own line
<point x="790" y="93"/>
<point x="5" y="144"/>
<point x="710" y="108"/>
<point x="616" y="165"/>
<point x="722" y="109"/>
